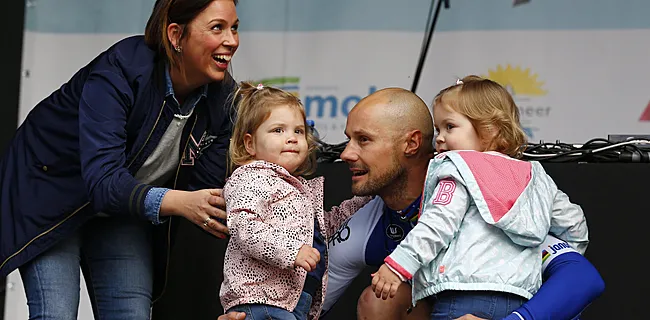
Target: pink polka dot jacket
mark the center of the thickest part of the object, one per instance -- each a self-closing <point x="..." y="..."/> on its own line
<point x="270" y="217"/>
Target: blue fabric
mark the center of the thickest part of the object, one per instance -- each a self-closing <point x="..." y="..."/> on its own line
<point x="77" y="151"/>
<point x="153" y="200"/>
<point x="571" y="283"/>
<point x="320" y="245"/>
<point x="390" y="230"/>
<point x="152" y="203"/>
<point x="512" y="316"/>
<point x="263" y="311"/>
<point x="189" y="103"/>
<point x="483" y="304"/>
<point x="118" y="272"/>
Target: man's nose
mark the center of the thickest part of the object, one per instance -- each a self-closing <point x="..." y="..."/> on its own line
<point x="348" y="155"/>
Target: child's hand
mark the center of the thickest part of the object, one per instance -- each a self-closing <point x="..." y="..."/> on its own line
<point x="232" y="315"/>
<point x="469" y="317"/>
<point x="385" y="282"/>
<point x="307" y="258"/>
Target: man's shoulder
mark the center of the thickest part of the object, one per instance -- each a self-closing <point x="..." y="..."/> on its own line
<point x="373" y="207"/>
<point x="367" y="214"/>
<point x="354" y="232"/>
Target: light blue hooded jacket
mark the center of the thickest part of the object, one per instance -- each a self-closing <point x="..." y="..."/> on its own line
<point x="483" y="217"/>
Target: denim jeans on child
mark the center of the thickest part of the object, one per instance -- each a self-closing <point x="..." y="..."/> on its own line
<point x="116" y="257"/>
<point x="265" y="312"/>
<point x="483" y="304"/>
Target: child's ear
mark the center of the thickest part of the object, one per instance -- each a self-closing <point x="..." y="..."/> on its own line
<point x="489" y="134"/>
<point x="248" y="144"/>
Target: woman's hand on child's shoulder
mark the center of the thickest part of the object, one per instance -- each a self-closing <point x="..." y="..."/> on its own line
<point x="205" y="208"/>
<point x="307" y="258"/>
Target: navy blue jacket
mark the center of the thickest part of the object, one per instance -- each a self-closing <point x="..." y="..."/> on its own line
<point x="78" y="150"/>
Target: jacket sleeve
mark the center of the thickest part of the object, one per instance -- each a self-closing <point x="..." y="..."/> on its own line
<point x="571" y="283"/>
<point x="255" y="226"/>
<point x="441" y="215"/>
<point x="103" y="109"/>
<point x="568" y="222"/>
<point x="337" y="215"/>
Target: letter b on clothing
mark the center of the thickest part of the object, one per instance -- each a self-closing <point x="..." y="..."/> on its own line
<point x="446" y="190"/>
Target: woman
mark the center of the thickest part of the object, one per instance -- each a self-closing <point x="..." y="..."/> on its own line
<point x="138" y="135"/>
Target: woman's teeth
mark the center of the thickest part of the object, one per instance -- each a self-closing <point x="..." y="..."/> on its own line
<point x="222" y="58"/>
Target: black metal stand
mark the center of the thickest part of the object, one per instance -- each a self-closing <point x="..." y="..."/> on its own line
<point x="431" y="23"/>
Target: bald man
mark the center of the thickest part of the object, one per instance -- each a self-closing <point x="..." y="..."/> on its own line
<point x="391" y="143"/>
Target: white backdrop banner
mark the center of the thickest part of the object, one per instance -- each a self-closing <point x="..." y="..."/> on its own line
<point x="577" y="69"/>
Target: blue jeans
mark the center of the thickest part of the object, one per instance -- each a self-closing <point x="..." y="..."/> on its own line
<point x="483" y="304"/>
<point x="116" y="257"/>
<point x="266" y="312"/>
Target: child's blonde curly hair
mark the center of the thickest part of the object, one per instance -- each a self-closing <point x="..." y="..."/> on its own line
<point x="254" y="106"/>
<point x="490" y="109"/>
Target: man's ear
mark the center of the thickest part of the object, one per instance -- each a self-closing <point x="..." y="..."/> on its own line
<point x="248" y="144"/>
<point x="413" y="143"/>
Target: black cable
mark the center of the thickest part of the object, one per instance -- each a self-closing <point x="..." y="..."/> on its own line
<point x="597" y="140"/>
<point x="328" y="153"/>
<point x="427" y="40"/>
<point x="331" y="152"/>
<point x="594" y="150"/>
<point x="591" y="151"/>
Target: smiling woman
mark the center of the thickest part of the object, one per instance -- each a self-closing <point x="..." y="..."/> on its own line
<point x="198" y="38"/>
<point x="106" y="159"/>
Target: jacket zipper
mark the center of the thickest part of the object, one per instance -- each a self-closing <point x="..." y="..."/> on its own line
<point x="169" y="228"/>
<point x="85" y="204"/>
<point x="44" y="233"/>
<point x="149" y="136"/>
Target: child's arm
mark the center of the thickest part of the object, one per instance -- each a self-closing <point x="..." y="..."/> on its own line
<point x="337" y="215"/>
<point x="571" y="283"/>
<point x="256" y="229"/>
<point x="568" y="222"/>
<point x="440" y="219"/>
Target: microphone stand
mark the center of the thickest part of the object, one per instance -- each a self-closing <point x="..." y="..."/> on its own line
<point x="427" y="41"/>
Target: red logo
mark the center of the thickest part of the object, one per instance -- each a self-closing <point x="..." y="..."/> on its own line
<point x="645" y="116"/>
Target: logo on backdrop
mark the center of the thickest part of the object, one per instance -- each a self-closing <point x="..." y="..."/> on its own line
<point x="645" y="116"/>
<point x="327" y="105"/>
<point x="527" y="91"/>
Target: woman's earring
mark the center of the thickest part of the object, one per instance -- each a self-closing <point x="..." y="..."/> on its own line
<point x="178" y="49"/>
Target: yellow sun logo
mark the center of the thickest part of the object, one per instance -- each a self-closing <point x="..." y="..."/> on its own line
<point x="517" y="81"/>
